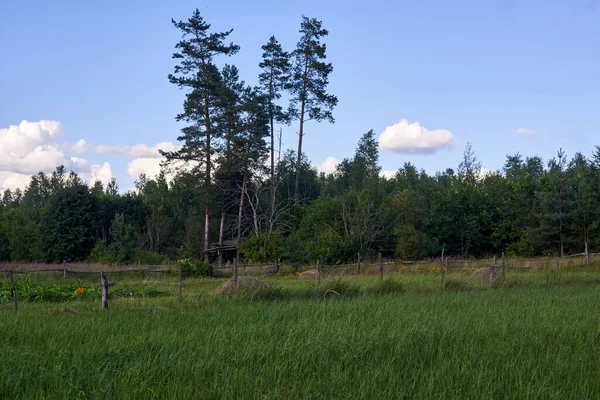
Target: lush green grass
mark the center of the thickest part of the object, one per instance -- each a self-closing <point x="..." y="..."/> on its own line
<point x="534" y="336"/>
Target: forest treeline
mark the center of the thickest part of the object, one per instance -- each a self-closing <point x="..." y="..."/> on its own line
<point x="229" y="182"/>
<point x="530" y="208"/>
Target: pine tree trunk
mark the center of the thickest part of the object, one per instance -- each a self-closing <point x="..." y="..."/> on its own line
<point x="299" y="159"/>
<point x="301" y="131"/>
<point x="221" y="229"/>
<point x="206" y="235"/>
<point x="208" y="167"/>
<point x="272" y="167"/>
<point x="240" y="214"/>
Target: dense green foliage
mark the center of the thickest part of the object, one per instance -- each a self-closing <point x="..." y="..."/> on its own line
<point x="525" y="210"/>
<point x="413" y="342"/>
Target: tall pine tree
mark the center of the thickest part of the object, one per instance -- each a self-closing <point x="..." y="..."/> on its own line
<point x="308" y="83"/>
<point x="197" y="73"/>
<point x="273" y="78"/>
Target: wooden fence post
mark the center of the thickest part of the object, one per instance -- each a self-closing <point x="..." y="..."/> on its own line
<point x="492" y="268"/>
<point x="13" y="291"/>
<point x="442" y="272"/>
<point x="180" y="285"/>
<point x="64" y="268"/>
<point x="278" y="266"/>
<point x="104" y="285"/>
<point x="358" y="265"/>
<point x="503" y="266"/>
<point x="380" y="267"/>
<point x="319" y="269"/>
<point x="235" y="271"/>
<point x="587" y="255"/>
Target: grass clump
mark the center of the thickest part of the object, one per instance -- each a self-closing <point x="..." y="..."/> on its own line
<point x="456" y="285"/>
<point x="341" y="286"/>
<point x="385" y="286"/>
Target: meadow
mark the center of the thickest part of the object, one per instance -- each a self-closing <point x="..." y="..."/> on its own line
<point x="534" y="335"/>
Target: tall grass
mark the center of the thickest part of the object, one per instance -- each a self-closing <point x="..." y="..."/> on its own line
<point x="411" y="340"/>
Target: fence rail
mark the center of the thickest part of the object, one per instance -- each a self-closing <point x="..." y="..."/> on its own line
<point x="365" y="266"/>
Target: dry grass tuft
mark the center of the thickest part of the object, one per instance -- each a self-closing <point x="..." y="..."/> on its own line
<point x="310" y="274"/>
<point x="243" y="281"/>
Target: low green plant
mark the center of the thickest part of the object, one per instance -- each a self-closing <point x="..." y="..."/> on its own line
<point x="193" y="267"/>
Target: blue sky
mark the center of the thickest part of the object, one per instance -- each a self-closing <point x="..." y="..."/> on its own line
<point x="480" y="70"/>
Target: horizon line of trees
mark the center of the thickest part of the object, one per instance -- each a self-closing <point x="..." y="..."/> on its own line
<point x="530" y="208"/>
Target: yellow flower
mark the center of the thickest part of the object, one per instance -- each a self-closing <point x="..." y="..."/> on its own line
<point x="79" y="290"/>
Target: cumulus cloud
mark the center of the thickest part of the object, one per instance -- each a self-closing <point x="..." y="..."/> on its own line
<point x="413" y="138"/>
<point x="484" y="173"/>
<point x="525" y="132"/>
<point x="12" y="181"/>
<point x="31" y="147"/>
<point x="79" y="147"/>
<point x="388" y="173"/>
<point x="328" y="165"/>
<point x="140" y="150"/>
<point x="144" y="165"/>
<point x="102" y="173"/>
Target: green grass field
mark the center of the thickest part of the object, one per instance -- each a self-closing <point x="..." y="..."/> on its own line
<point x="533" y="336"/>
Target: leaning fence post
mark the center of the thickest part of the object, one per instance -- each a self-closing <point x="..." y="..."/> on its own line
<point x="180" y="285"/>
<point x="380" y="267"/>
<point x="492" y="268"/>
<point x="13" y="291"/>
<point x="503" y="266"/>
<point x="235" y="271"/>
<point x="64" y="268"/>
<point x="442" y="272"/>
<point x="104" y="282"/>
<point x="358" y="265"/>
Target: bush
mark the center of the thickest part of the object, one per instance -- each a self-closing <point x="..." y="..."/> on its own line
<point x="192" y="267"/>
<point x="148" y="257"/>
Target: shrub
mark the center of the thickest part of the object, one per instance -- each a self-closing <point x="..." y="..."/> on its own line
<point x="148" y="257"/>
<point x="192" y="267"/>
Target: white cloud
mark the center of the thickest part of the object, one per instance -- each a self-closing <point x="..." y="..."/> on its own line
<point x="79" y="147"/>
<point x="525" y="132"/>
<point x="31" y="147"/>
<point x="484" y="173"/>
<point x="328" y="165"/>
<point x="388" y="173"/>
<point x="102" y="173"/>
<point x="408" y="138"/>
<point x="139" y="150"/>
<point x="148" y="166"/>
<point x="12" y="181"/>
